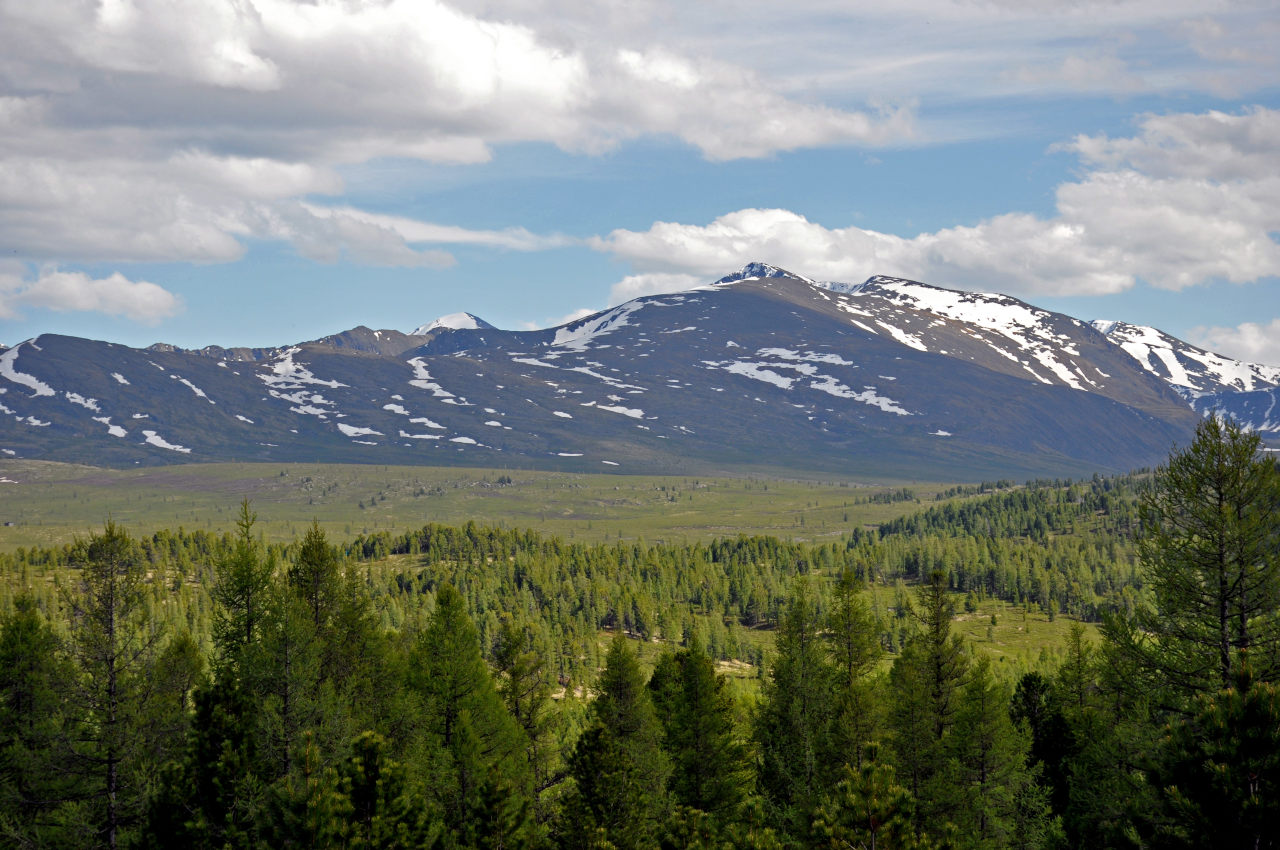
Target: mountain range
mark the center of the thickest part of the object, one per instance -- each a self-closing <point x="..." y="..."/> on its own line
<point x="762" y="371"/>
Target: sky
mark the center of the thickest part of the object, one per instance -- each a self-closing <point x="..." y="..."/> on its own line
<point x="262" y="172"/>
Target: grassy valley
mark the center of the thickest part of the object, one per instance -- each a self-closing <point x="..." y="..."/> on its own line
<point x="43" y="504"/>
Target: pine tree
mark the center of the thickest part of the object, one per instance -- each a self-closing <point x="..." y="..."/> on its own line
<point x="282" y="676"/>
<point x="213" y="797"/>
<point x="925" y="682"/>
<point x="867" y="808"/>
<point x="32" y="673"/>
<point x="1000" y="801"/>
<point x="468" y="733"/>
<point x="709" y="767"/>
<point x="618" y="766"/>
<point x="526" y="693"/>
<point x="240" y="594"/>
<point x="112" y="645"/>
<point x="853" y="635"/>
<point x="1219" y="771"/>
<point x="316" y="577"/>
<point x="1209" y="551"/>
<point x="792" y="727"/>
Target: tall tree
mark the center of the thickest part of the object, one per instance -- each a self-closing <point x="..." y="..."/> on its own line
<point x="472" y="739"/>
<point x="32" y="673"/>
<point x="618" y="765"/>
<point x="1209" y="550"/>
<point x="792" y="727"/>
<point x="709" y="764"/>
<point x="1001" y="804"/>
<point x="526" y="693"/>
<point x="112" y="644"/>
<point x="240" y="594"/>
<point x="316" y="577"/>
<point x="925" y="683"/>
<point x="853" y="635"/>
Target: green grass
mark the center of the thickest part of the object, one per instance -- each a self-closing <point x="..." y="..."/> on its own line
<point x="50" y="503"/>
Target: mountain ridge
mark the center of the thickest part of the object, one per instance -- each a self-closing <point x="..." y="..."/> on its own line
<point x="763" y="370"/>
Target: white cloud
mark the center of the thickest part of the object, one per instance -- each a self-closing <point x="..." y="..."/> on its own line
<point x="638" y="285"/>
<point x="115" y="295"/>
<point x="1135" y="216"/>
<point x="571" y="316"/>
<point x="1252" y="342"/>
<point x="415" y="231"/>
<point x="177" y="130"/>
<point x="1211" y="145"/>
<point x="1081" y="73"/>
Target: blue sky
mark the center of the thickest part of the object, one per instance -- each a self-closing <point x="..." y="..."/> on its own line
<point x="260" y="172"/>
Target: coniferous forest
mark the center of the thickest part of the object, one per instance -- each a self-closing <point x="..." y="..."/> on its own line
<point x="476" y="687"/>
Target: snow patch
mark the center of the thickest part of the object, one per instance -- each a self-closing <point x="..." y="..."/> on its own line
<point x="161" y="443"/>
<point x="113" y="430"/>
<point x="577" y="336"/>
<point x="406" y="435"/>
<point x="120" y="379"/>
<point x="10" y="372"/>
<point x="90" y="403"/>
<point x="193" y="388"/>
<point x="353" y="431"/>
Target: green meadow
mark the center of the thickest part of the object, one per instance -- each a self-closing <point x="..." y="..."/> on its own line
<point x="43" y="504"/>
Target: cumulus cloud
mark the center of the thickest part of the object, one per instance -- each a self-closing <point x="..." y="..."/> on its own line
<point x="1168" y="206"/>
<point x="571" y="316"/>
<point x="1252" y="342"/>
<point x="114" y="295"/>
<point x="179" y="130"/>
<point x="638" y="285"/>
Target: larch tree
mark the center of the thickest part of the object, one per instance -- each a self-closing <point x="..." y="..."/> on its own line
<point x="112" y="646"/>
<point x="1210" y="547"/>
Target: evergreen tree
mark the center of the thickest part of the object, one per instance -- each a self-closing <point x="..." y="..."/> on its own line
<point x="618" y="766"/>
<point x="925" y="682"/>
<point x="32" y="673"/>
<point x="386" y="811"/>
<point x="1209" y="551"/>
<point x="316" y="578"/>
<point x="112" y="646"/>
<point x="213" y="798"/>
<point x="469" y="736"/>
<point x="1037" y="708"/>
<point x="1219" y="771"/>
<point x="1000" y="801"/>
<point x="282" y="676"/>
<point x="240" y="594"/>
<point x="853" y="635"/>
<point x="526" y="693"/>
<point x="792" y="727"/>
<point x="709" y="767"/>
<point x="867" y="808"/>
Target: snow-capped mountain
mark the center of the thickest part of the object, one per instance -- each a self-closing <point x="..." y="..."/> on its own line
<point x="1190" y="369"/>
<point x="452" y="322"/>
<point x="763" y="370"/>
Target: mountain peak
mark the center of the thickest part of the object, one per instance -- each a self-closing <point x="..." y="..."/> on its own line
<point x="453" y="322"/>
<point x="757" y="271"/>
